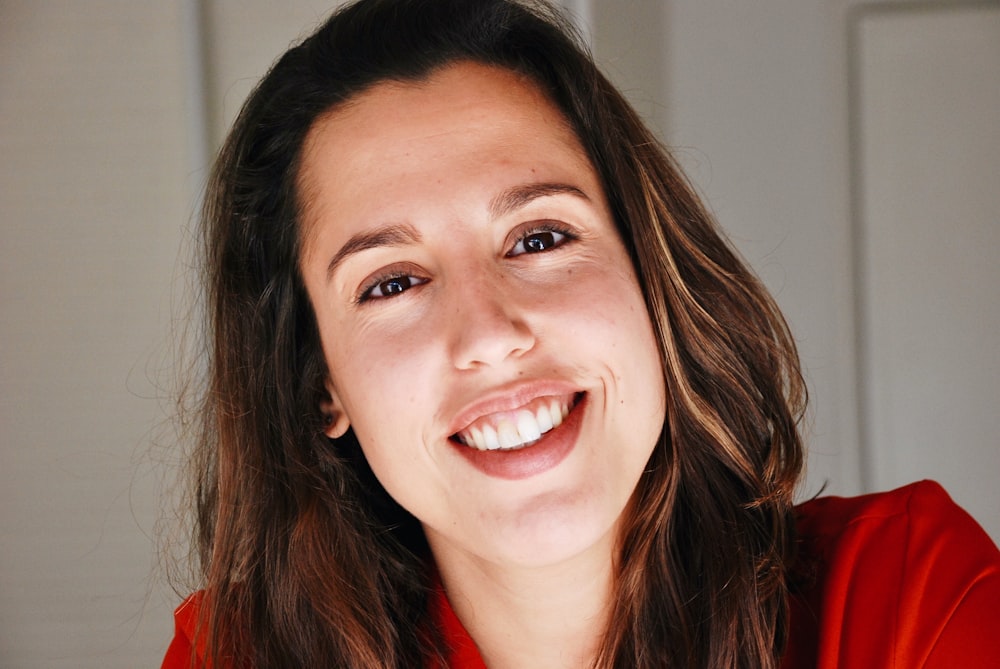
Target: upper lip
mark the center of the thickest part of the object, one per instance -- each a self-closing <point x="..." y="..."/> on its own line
<point x="508" y="398"/>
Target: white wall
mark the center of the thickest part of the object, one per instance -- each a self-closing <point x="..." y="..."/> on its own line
<point x="93" y="198"/>
<point x="105" y="111"/>
<point x="850" y="150"/>
<point x="927" y="230"/>
<point x="105" y="107"/>
<point x="757" y="109"/>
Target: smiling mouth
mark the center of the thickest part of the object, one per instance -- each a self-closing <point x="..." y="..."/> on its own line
<point x="521" y="428"/>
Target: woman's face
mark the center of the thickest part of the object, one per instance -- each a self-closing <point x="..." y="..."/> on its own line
<point x="482" y="323"/>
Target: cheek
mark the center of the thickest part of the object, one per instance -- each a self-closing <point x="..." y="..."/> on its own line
<point x="388" y="415"/>
<point x="618" y="331"/>
<point x="383" y="375"/>
<point x="609" y="311"/>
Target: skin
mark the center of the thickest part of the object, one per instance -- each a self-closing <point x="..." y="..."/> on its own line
<point x="480" y="324"/>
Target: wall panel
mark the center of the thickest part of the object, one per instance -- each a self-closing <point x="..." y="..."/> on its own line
<point x="928" y="156"/>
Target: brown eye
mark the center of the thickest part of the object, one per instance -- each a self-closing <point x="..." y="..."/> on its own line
<point x="390" y="287"/>
<point x="539" y="241"/>
<point x="394" y="286"/>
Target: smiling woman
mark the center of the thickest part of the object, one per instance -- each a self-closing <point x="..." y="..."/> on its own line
<point x="479" y="250"/>
<point x="488" y="387"/>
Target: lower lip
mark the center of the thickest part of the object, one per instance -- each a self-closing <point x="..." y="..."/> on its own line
<point x="532" y="460"/>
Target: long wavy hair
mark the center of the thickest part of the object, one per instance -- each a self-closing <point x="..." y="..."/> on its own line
<point x="304" y="558"/>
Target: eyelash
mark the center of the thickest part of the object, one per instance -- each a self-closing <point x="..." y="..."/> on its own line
<point x="548" y="226"/>
<point x="365" y="294"/>
<point x="368" y="288"/>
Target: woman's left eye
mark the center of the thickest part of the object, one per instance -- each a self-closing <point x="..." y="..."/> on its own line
<point x="385" y="287"/>
<point x="540" y="241"/>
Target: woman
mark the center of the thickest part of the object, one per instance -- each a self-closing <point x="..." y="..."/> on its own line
<point x="487" y="386"/>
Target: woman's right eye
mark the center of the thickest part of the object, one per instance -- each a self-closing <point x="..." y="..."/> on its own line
<point x="389" y="286"/>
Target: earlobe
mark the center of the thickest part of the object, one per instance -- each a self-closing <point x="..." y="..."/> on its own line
<point x="335" y="420"/>
<point x="336" y="425"/>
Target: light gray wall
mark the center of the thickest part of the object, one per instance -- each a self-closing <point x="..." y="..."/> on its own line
<point x="927" y="226"/>
<point x="106" y="112"/>
<point x="93" y="198"/>
<point x="851" y="150"/>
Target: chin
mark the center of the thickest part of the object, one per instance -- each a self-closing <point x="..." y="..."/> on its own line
<point x="555" y="531"/>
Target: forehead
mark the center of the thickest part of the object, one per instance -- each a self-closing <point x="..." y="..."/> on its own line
<point x="474" y="94"/>
<point x="465" y="116"/>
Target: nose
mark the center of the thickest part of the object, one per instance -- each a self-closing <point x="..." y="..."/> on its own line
<point x="487" y="324"/>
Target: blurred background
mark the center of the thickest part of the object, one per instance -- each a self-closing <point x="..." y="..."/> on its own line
<point x="851" y="150"/>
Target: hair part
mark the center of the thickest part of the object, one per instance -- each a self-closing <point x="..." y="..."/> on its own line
<point x="307" y="561"/>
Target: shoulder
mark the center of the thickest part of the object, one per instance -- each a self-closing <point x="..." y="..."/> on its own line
<point x="903" y="578"/>
<point x="921" y="510"/>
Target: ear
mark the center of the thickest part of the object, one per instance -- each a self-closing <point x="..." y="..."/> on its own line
<point x="336" y="420"/>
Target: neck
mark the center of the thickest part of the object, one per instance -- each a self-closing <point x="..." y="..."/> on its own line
<point x="552" y="616"/>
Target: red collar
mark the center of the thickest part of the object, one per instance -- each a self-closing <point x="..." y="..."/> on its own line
<point x="463" y="653"/>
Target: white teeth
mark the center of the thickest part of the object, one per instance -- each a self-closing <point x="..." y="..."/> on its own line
<point x="525" y="429"/>
<point x="476" y="438"/>
<point x="528" y="427"/>
<point x="490" y="440"/>
<point x="556" y="413"/>
<point x="544" y="419"/>
<point x="508" y="435"/>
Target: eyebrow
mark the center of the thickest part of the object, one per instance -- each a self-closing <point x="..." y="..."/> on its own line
<point x="514" y="198"/>
<point x="397" y="234"/>
<point x="401" y="234"/>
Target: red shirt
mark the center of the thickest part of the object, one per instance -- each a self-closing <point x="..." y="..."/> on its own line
<point x="905" y="579"/>
<point x="902" y="579"/>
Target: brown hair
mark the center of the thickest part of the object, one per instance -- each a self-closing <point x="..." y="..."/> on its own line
<point x="306" y="560"/>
